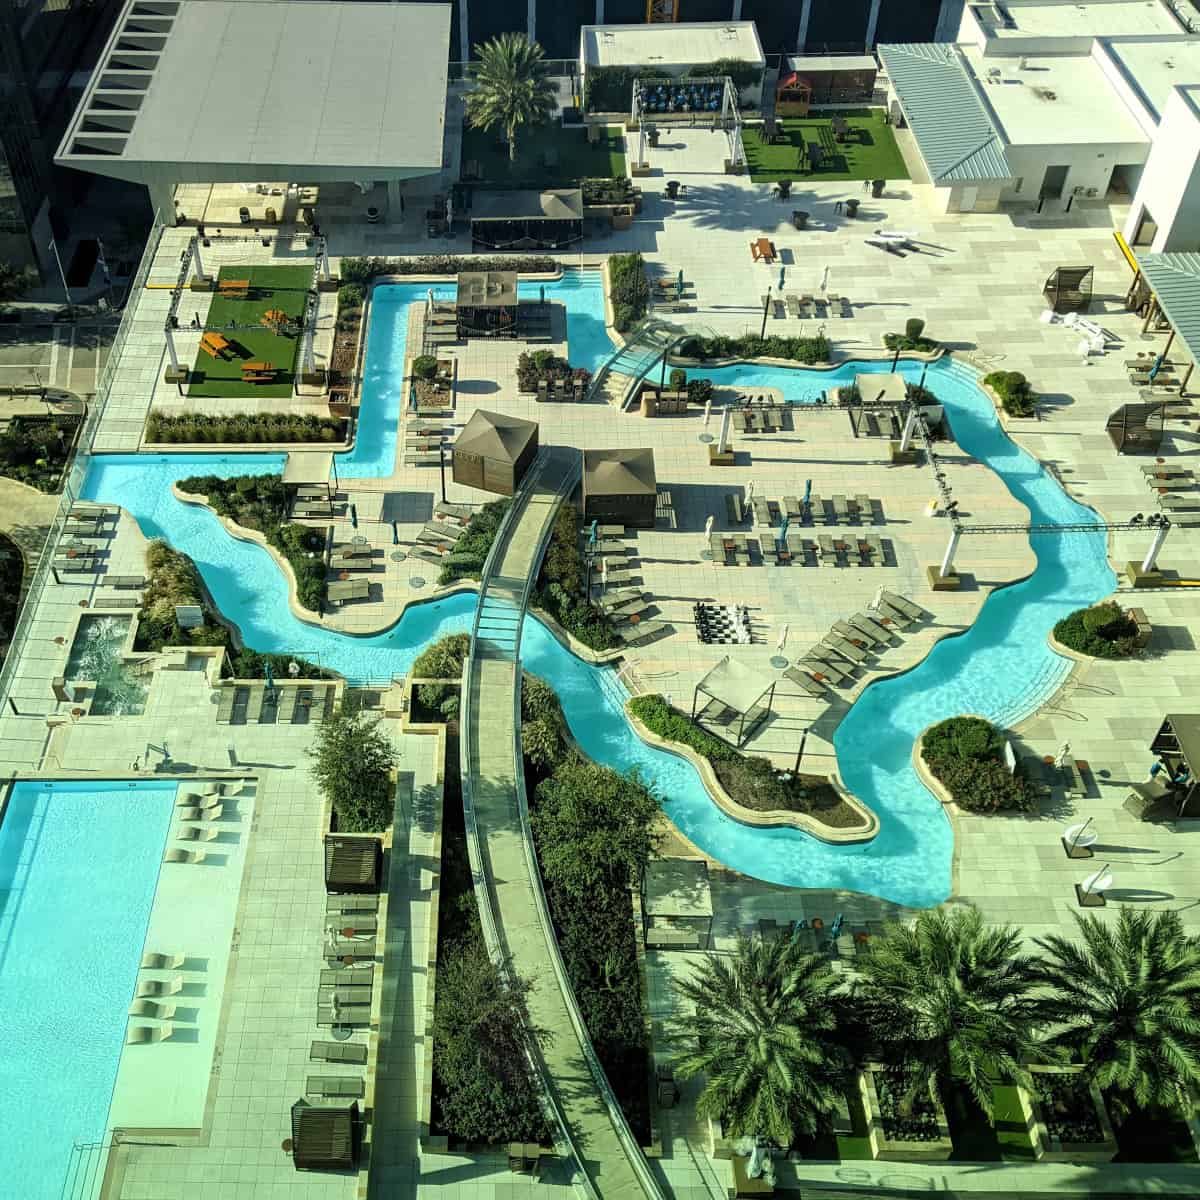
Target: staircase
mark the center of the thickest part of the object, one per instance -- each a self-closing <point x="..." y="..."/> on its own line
<point x="643" y="349"/>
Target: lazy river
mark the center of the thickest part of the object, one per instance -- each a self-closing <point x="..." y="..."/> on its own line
<point x="1000" y="668"/>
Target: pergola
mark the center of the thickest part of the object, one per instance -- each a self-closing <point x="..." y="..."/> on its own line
<point x="353" y="864"/>
<point x="619" y="486"/>
<point x="324" y="1137"/>
<point x="1177" y="743"/>
<point x="1137" y="428"/>
<point x="1173" y="281"/>
<point x="551" y="220"/>
<point x="734" y="699"/>
<point x="1069" y="289"/>
<point x="486" y="304"/>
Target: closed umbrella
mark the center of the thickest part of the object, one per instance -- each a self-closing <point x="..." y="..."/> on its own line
<point x="679" y="285"/>
<point x="1154" y="370"/>
<point x="807" y="490"/>
<point x="269" y="675"/>
<point x="749" y="491"/>
<point x="779" y="644"/>
<point x="1061" y="756"/>
<point x="708" y="526"/>
<point x="783" y="528"/>
<point x="707" y="411"/>
<point x="825" y="280"/>
<point x="604" y="574"/>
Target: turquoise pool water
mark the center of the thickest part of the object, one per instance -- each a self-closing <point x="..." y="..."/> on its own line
<point x="1000" y="668"/>
<point x="96" y="657"/>
<point x="70" y="944"/>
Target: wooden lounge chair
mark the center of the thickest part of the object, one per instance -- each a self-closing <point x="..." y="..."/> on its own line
<point x="337" y="1051"/>
<point x="334" y="1085"/>
<point x="185" y="856"/>
<point x="143" y="1035"/>
<point x="805" y="682"/>
<point x="904" y="604"/>
<point x="152" y="1009"/>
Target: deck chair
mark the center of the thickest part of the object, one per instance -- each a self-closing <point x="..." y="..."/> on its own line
<point x="845" y="647"/>
<point x="868" y="625"/>
<point x="904" y="604"/>
<point x="142" y="1035"/>
<point x="339" y="1052"/>
<point x="151" y="1008"/>
<point x="805" y="682"/>
<point x="197" y="833"/>
<point x="853" y="634"/>
<point x="185" y="856"/>
<point x="162" y="962"/>
<point x="825" y="662"/>
<point x="160" y="987"/>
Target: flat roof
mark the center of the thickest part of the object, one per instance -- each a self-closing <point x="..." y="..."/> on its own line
<point x="683" y="43"/>
<point x="1062" y="99"/>
<point x="677" y="887"/>
<point x="1157" y="67"/>
<point x="556" y="204"/>
<point x="1067" y="18"/>
<point x="831" y="62"/>
<point x="257" y="89"/>
<point x="952" y="128"/>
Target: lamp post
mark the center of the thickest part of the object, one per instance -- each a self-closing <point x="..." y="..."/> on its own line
<point x="762" y="333"/>
<point x="800" y="751"/>
<point x="62" y="275"/>
<point x="442" y="468"/>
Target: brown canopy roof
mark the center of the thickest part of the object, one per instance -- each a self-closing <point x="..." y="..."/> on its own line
<point x="487" y="289"/>
<point x="619" y="472"/>
<point x="323" y="1138"/>
<point x="353" y="863"/>
<point x="562" y="204"/>
<point x="496" y="436"/>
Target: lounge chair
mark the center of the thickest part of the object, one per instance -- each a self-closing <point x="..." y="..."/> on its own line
<point x="841" y="510"/>
<point x="830" y="555"/>
<point x="162" y="962"/>
<point x="197" y="833"/>
<point x="160" y="987"/>
<point x="185" y="856"/>
<point x="351" y="948"/>
<point x="341" y="977"/>
<point x="816" y="508"/>
<point x="226" y="703"/>
<point x="876" y="544"/>
<point x="344" y="996"/>
<point x="762" y="511"/>
<point x="864" y="637"/>
<point x="805" y="682"/>
<point x="188" y="814"/>
<point x="891" y="613"/>
<point x="340" y="1052"/>
<point x="357" y="1017"/>
<point x="904" y="604"/>
<point x="199" y="799"/>
<point x="868" y="625"/>
<point x="634" y="635"/>
<point x="845" y="647"/>
<point x="359" y="922"/>
<point x="1173" y="502"/>
<point x="352" y="903"/>
<point x="863" y="509"/>
<point x="142" y="1035"/>
<point x="152" y="1009"/>
<point x="628" y="610"/>
<point x="829" y="663"/>
<point x="793" y="304"/>
<point x="345" y="590"/>
<point x="334" y="1085"/>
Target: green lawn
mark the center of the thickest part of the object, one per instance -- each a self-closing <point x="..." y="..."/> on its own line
<point x="869" y="152"/>
<point x="574" y="159"/>
<point x="283" y="288"/>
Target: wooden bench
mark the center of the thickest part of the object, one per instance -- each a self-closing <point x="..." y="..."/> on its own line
<point x="233" y="288"/>
<point x="762" y="250"/>
<point x="1144" y="628"/>
<point x="259" y="372"/>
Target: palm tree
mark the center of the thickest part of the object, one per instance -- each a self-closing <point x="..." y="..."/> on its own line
<point x="761" y="1034"/>
<point x="1125" y="1002"/>
<point x="952" y="1000"/>
<point x="512" y="88"/>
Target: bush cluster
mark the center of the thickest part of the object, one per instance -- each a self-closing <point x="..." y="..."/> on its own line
<point x="352" y="762"/>
<point x="796" y="349"/>
<point x="619" y="190"/>
<point x="442" y="660"/>
<point x="474" y="542"/>
<point x="244" y="427"/>
<point x="36" y="450"/>
<point x="257" y="502"/>
<point x="1014" y="391"/>
<point x="424" y="366"/>
<point x="560" y="586"/>
<point x="671" y="725"/>
<point x="533" y="367"/>
<point x="966" y="755"/>
<point x="364" y="270"/>
<point x="902" y="341"/>
<point x="629" y="289"/>
<point x="1103" y="631"/>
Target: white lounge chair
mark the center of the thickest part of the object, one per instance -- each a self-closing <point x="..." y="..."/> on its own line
<point x="141" y="1035"/>
<point x="160" y="987"/>
<point x="197" y="833"/>
<point x="162" y="962"/>
<point x="185" y="856"/>
<point x="151" y="1008"/>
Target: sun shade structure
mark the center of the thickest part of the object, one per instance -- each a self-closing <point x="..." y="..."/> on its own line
<point x="1136" y="428"/>
<point x="325" y="1137"/>
<point x="550" y="220"/>
<point x="1177" y="743"/>
<point x="956" y="137"/>
<point x="308" y="467"/>
<point x="677" y="907"/>
<point x="1069" y="289"/>
<point x="245" y="90"/>
<point x="494" y="451"/>
<point x="824" y="79"/>
<point x="735" y="700"/>
<point x="619" y="487"/>
<point x="353" y="864"/>
<point x="1174" y="281"/>
<point x="486" y="304"/>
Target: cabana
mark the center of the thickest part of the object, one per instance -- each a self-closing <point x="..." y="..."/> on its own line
<point x="487" y="304"/>
<point x="494" y="451"/>
<point x="736" y="700"/>
<point x="353" y="864"/>
<point x="809" y="79"/>
<point x="677" y="907"/>
<point x="1177" y="743"/>
<point x="1173" y="281"/>
<point x="309" y="471"/>
<point x="324" y="1137"/>
<point x="1069" y="289"/>
<point x="619" y="487"/>
<point x="551" y="220"/>
<point x="1137" y="428"/>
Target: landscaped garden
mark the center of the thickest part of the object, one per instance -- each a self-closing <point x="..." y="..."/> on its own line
<point x="258" y="502"/>
<point x="1103" y="631"/>
<point x="966" y="754"/>
<point x="548" y="156"/>
<point x="36" y="450"/>
<point x="748" y="346"/>
<point x="275" y="290"/>
<point x="11" y="570"/>
<point x="629" y="289"/>
<point x="261" y="428"/>
<point x="869" y="151"/>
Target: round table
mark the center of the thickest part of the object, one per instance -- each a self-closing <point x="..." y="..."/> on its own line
<point x="417" y="581"/>
<point x="359" y="540"/>
<point x="398" y="556"/>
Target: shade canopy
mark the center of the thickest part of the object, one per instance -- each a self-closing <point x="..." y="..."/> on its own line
<point x="619" y="472"/>
<point x="487" y="289"/>
<point x="324" y="1137"/>
<point x="677" y="887"/>
<point x="881" y="389"/>
<point x="560" y="204"/>
<point x="496" y="436"/>
<point x="1174" y="279"/>
<point x="307" y="467"/>
<point x="735" y="685"/>
<point x="353" y="864"/>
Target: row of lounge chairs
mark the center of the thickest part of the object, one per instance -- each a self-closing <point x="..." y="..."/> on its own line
<point x="742" y="550"/>
<point x="148" y="1002"/>
<point x="1182" y="507"/>
<point x="256" y="703"/>
<point x="851" y="644"/>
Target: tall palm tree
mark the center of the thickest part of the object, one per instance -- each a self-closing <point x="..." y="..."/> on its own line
<point x="1125" y="1001"/>
<point x="952" y="1000"/>
<point x="761" y="1034"/>
<point x="512" y="88"/>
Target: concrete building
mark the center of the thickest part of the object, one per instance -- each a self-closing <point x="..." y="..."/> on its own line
<point x="1051" y="104"/>
<point x="185" y="94"/>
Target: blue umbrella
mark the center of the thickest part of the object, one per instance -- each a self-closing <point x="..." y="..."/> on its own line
<point x="270" y="675"/>
<point x="807" y="491"/>
<point x="592" y="535"/>
<point x="783" y="530"/>
<point x="782" y="273"/>
<point x="1154" y="370"/>
<point x="679" y="285"/>
<point x="354" y="516"/>
<point x="836" y="927"/>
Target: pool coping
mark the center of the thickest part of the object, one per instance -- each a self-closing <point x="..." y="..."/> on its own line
<point x="764" y="820"/>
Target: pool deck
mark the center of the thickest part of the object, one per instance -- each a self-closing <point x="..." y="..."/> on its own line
<point x="977" y="283"/>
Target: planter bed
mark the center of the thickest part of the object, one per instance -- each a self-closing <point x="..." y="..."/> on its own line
<point x="922" y="1133"/>
<point x="1071" y="1119"/>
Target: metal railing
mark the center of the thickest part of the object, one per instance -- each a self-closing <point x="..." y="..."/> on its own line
<point x="73" y="483"/>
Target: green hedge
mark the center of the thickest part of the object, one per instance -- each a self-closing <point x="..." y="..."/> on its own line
<point x="671" y="725"/>
<point x="901" y="341"/>
<point x="629" y="289"/>
<point x="244" y="427"/>
<point x="796" y="349"/>
<point x="560" y="587"/>
<point x="475" y="541"/>
<point x="364" y="270"/>
<point x="1014" y="391"/>
<point x="966" y="754"/>
<point x="1103" y="631"/>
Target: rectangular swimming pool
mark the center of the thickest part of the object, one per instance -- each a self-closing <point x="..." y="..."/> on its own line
<point x="79" y="865"/>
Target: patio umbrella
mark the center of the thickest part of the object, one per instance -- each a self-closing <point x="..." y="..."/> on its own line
<point x="604" y="574"/>
<point x="269" y="675"/>
<point x="679" y="285"/>
<point x="749" y="491"/>
<point x="878" y="596"/>
<point x="592" y="535"/>
<point x="708" y="524"/>
<point x="825" y="280"/>
<point x="779" y="643"/>
<point x="1154" y="370"/>
<point x="707" y="411"/>
<point x="836" y="927"/>
<point x="1061" y="756"/>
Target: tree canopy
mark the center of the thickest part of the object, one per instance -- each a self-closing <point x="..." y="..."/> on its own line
<point x="512" y="87"/>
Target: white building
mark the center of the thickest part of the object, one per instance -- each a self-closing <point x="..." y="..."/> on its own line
<point x="242" y="91"/>
<point x="1050" y="103"/>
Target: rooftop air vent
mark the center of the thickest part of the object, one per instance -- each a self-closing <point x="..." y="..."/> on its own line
<point x="1045" y="93"/>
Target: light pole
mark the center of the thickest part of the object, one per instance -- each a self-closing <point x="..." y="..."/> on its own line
<point x="62" y="275"/>
<point x="762" y="333"/>
<point x="800" y="751"/>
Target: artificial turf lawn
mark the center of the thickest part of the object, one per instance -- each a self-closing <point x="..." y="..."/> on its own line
<point x="576" y="158"/>
<point x="284" y="288"/>
<point x="869" y="151"/>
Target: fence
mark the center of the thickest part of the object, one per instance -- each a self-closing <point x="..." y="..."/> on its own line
<point x="73" y="484"/>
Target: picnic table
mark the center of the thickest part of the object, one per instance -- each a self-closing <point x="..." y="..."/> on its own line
<point x="762" y="250"/>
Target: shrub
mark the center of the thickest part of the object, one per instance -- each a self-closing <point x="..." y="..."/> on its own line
<point x="901" y="341"/>
<point x="671" y="725"/>
<point x="351" y="295"/>
<point x="424" y="366"/>
<point x="966" y="755"/>
<point x="444" y="659"/>
<point x="352" y="762"/>
<point x="243" y="427"/>
<point x="699" y="391"/>
<point x="364" y="270"/>
<point x="1016" y="396"/>
<point x="678" y="379"/>
<point x="475" y="540"/>
<point x="795" y="349"/>
<point x="914" y="327"/>
<point x="1103" y="631"/>
<point x="742" y="74"/>
<point x="629" y="289"/>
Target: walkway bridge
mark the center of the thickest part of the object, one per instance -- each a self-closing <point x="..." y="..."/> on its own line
<point x="512" y="906"/>
<point x="616" y="379"/>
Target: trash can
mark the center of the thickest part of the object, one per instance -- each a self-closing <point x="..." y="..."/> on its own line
<point x="877" y="187"/>
<point x="799" y="218"/>
<point x="852" y="207"/>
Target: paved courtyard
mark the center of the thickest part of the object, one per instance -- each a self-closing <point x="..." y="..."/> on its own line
<point x="976" y="279"/>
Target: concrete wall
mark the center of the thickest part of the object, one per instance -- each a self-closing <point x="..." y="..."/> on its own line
<point x="950" y="199"/>
<point x="1170" y="185"/>
<point x="1125" y="89"/>
<point x="1091" y="166"/>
